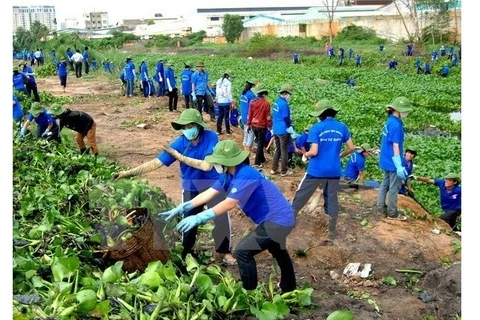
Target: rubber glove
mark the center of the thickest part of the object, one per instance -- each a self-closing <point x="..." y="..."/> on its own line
<point x="192" y="221"/>
<point x="22" y="132"/>
<point x="401" y="171"/>
<point x="290" y="130"/>
<point x="194" y="97"/>
<point x="45" y="133"/>
<point x="180" y="209"/>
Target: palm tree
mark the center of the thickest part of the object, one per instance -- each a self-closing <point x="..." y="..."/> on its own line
<point x="39" y="31"/>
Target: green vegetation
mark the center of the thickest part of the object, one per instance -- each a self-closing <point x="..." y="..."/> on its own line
<point x="232" y="27"/>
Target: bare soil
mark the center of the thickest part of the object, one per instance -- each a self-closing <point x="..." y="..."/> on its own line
<point x="364" y="236"/>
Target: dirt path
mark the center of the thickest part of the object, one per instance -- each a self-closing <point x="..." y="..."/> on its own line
<point x="364" y="236"/>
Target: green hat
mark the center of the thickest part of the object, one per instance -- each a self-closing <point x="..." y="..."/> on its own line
<point x="188" y="64"/>
<point x="227" y="153"/>
<point x="252" y="81"/>
<point x="230" y="73"/>
<point x="200" y="64"/>
<point x="322" y="106"/>
<point x="189" y="116"/>
<point x="453" y="176"/>
<point x="15" y="69"/>
<point x="170" y="63"/>
<point x="400" y="104"/>
<point x="36" y="109"/>
<point x="286" y="87"/>
<point x="259" y="88"/>
<point x="56" y="109"/>
<point x="366" y="147"/>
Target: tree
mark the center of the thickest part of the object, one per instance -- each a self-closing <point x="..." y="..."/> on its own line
<point x="23" y="39"/>
<point x="158" y="15"/>
<point x="150" y="22"/>
<point x="39" y="31"/>
<point x="232" y="27"/>
<point x="331" y="6"/>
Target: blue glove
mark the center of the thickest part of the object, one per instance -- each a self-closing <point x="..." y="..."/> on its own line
<point x="22" y="132"/>
<point x="194" y="97"/>
<point x="180" y="209"/>
<point x="290" y="130"/>
<point x="44" y="134"/>
<point x="401" y="171"/>
<point x="192" y="221"/>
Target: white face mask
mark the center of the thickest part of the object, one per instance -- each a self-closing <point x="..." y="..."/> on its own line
<point x="219" y="168"/>
<point x="288" y="96"/>
<point x="403" y="114"/>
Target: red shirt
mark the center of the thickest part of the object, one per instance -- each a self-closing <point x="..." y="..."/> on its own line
<point x="259" y="113"/>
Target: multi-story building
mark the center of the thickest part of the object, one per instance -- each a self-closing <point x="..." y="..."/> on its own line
<point x="24" y="16"/>
<point x="96" y="20"/>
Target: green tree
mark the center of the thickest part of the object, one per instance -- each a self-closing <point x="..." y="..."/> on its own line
<point x="39" y="31"/>
<point x="232" y="27"/>
<point x="150" y="22"/>
<point x="158" y="15"/>
<point x="22" y="39"/>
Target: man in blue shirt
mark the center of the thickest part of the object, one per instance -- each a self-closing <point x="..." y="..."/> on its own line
<point x="144" y="78"/>
<point x="62" y="72"/>
<point x="246" y="96"/>
<point x="17" y="110"/>
<point x="392" y="64"/>
<point x="358" y="61"/>
<point x="86" y="60"/>
<point x="19" y="81"/>
<point x="46" y="126"/>
<point x="171" y="87"/>
<point x="350" y="53"/>
<point x="418" y="64"/>
<point x="31" y="85"/>
<point x="130" y="77"/>
<point x="186" y="78"/>
<point x="355" y="169"/>
<point x="450" y="197"/>
<point x="410" y="154"/>
<point x="445" y="71"/>
<point x="326" y="139"/>
<point x="160" y="77"/>
<point x="191" y="148"/>
<point x="391" y="160"/>
<point x="69" y="54"/>
<point x="260" y="199"/>
<point x="427" y="68"/>
<point x="282" y="127"/>
<point x="200" y="93"/>
<point x="295" y="58"/>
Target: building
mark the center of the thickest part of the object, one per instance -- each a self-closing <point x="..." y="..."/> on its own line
<point x="96" y="20"/>
<point x="172" y="27"/>
<point x="24" y="16"/>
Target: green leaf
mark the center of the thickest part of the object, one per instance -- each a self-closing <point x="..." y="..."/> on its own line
<point x="103" y="307"/>
<point x="191" y="262"/>
<point x="71" y="264"/>
<point x="390" y="281"/>
<point x="204" y="282"/>
<point x="87" y="301"/>
<point x="341" y="315"/>
<point x="150" y="279"/>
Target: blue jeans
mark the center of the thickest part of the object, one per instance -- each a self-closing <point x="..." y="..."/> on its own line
<point x="390" y="185"/>
<point x="223" y="112"/>
<point x="161" y="89"/>
<point x="266" y="236"/>
<point x="130" y="83"/>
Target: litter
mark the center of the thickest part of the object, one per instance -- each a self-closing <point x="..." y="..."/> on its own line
<point x="352" y="269"/>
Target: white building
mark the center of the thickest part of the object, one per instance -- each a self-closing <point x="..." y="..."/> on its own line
<point x="96" y="20"/>
<point x="24" y="16"/>
<point x="172" y="27"/>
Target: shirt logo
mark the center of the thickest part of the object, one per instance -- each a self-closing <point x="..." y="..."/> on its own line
<point x="234" y="190"/>
<point x="226" y="149"/>
<point x="454" y="196"/>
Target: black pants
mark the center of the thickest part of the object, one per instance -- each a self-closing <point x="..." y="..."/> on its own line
<point x="70" y="65"/>
<point x="450" y="217"/>
<point x="172" y="99"/>
<point x="223" y="113"/>
<point x="205" y="100"/>
<point x="221" y="232"/>
<point x="63" y="81"/>
<point x="187" y="98"/>
<point x="146" y="88"/>
<point x="78" y="69"/>
<point x="266" y="236"/>
<point x="260" y="134"/>
<point x="87" y="67"/>
<point x="32" y="87"/>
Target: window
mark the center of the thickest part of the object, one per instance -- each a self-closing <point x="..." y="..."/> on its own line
<point x="302" y="28"/>
<point x="214" y="18"/>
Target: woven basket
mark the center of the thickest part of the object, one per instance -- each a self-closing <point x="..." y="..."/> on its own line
<point x="147" y="244"/>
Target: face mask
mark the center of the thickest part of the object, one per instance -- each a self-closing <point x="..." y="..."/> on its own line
<point x="190" y="133"/>
<point x="288" y="96"/>
<point x="403" y="115"/>
<point x="219" y="168"/>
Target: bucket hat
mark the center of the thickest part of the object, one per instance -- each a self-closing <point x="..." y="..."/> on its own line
<point x="170" y="63"/>
<point x="230" y="73"/>
<point x="259" y="88"/>
<point x="400" y="104"/>
<point x="453" y="176"/>
<point x="322" y="106"/>
<point x="286" y="88"/>
<point x="366" y="147"/>
<point x="200" y="64"/>
<point x="188" y="64"/>
<point x="411" y="150"/>
<point x="227" y="153"/>
<point x="189" y="116"/>
<point x="252" y="81"/>
<point x="56" y="109"/>
<point x="36" y="109"/>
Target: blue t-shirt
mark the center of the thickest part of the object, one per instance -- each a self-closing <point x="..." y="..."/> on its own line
<point x="200" y="81"/>
<point x="193" y="179"/>
<point x="18" y="81"/>
<point x="161" y="70"/>
<point x="258" y="197"/>
<point x="43" y="120"/>
<point x="85" y="56"/>
<point x="280" y="111"/>
<point x="245" y="104"/>
<point x="301" y="141"/>
<point x="129" y="71"/>
<point x="169" y="74"/>
<point x="392" y="132"/>
<point x="355" y="164"/>
<point x="449" y="200"/>
<point x="17" y="108"/>
<point x="62" y="69"/>
<point x="69" y="54"/>
<point x="186" y="78"/>
<point x="329" y="134"/>
<point x="29" y="72"/>
<point x="144" y="72"/>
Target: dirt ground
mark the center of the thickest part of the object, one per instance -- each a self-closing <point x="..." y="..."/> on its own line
<point x="364" y="236"/>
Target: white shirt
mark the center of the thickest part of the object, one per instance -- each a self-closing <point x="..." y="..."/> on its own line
<point x="77" y="57"/>
<point x="224" y="91"/>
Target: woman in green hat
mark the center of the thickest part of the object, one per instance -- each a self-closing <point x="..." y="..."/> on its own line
<point x="450" y="197"/>
<point x="260" y="199"/>
<point x="195" y="143"/>
<point x="46" y="126"/>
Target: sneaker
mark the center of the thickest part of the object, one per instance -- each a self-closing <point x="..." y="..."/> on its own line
<point x="288" y="173"/>
<point x="274" y="172"/>
<point x="397" y="217"/>
<point x="219" y="133"/>
<point x="229" y="133"/>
